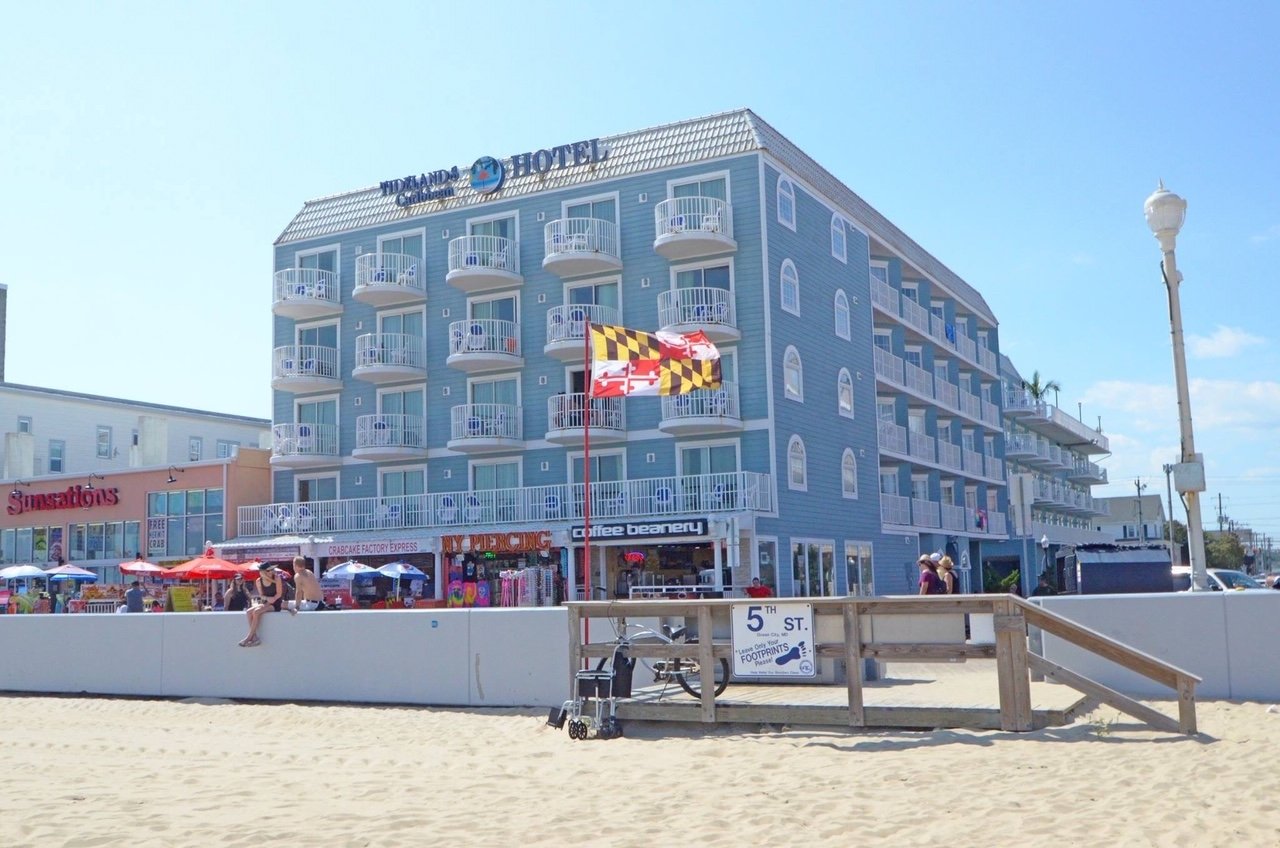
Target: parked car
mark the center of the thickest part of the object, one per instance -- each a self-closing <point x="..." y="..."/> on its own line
<point x="1220" y="580"/>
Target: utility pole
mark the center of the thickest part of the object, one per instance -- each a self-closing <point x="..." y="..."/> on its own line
<point x="1139" y="485"/>
<point x="1221" y="517"/>
<point x="1168" y="482"/>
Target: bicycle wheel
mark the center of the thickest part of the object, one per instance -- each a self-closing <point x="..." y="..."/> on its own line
<point x="689" y="675"/>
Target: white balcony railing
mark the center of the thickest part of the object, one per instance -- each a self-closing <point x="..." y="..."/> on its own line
<point x="476" y="253"/>
<point x="304" y="440"/>
<point x="915" y="315"/>
<point x="704" y="403"/>
<point x="888" y="366"/>
<point x="680" y="215"/>
<point x="995" y="467"/>
<point x="925" y="513"/>
<point x="953" y="517"/>
<point x="947" y="394"/>
<point x="390" y="349"/>
<point x="485" y="421"/>
<point x="972" y="461"/>
<point x="893" y="437"/>
<point x="986" y="359"/>
<point x="581" y="235"/>
<point x="970" y="405"/>
<point x="949" y="455"/>
<point x="696" y="305"/>
<point x="991" y="414"/>
<point x="389" y="431"/>
<point x="484" y="335"/>
<point x="918" y="380"/>
<point x="736" y="491"/>
<point x="390" y="270"/>
<point x="307" y="284"/>
<point x="895" y="509"/>
<point x="921" y="446"/>
<point x="304" y="361"/>
<point x="569" y="323"/>
<point x="566" y="412"/>
<point x="884" y="296"/>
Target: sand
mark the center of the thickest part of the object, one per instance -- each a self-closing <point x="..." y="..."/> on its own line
<point x="113" y="771"/>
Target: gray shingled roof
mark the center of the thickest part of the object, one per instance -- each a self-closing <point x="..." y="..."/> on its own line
<point x="681" y="143"/>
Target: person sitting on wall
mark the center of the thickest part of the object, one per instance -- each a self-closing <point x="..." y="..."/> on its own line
<point x="270" y="599"/>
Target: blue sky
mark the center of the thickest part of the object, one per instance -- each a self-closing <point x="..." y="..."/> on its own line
<point x="151" y="153"/>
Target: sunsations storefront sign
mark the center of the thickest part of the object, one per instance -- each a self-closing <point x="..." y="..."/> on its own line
<point x="488" y="174"/>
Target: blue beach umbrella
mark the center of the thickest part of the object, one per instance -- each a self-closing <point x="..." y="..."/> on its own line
<point x="400" y="570"/>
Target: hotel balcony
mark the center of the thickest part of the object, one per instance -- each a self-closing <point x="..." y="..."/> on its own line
<point x="479" y="427"/>
<point x="304" y="445"/>
<point x="704" y="308"/>
<point x="567" y="329"/>
<point x="1054" y="424"/>
<point x="702" y="494"/>
<point x="693" y="226"/>
<point x="390" y="279"/>
<point x="389" y="437"/>
<point x="566" y="424"/>
<point x="1083" y="471"/>
<point x="921" y="322"/>
<point x="304" y="368"/>
<point x="304" y="293"/>
<point x="484" y="344"/>
<point x="481" y="263"/>
<point x="702" y="412"/>
<point x="389" y="357"/>
<point x="576" y="246"/>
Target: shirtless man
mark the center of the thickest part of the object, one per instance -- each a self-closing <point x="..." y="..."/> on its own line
<point x="306" y="588"/>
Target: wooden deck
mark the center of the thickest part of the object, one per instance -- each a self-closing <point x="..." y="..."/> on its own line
<point x="926" y="695"/>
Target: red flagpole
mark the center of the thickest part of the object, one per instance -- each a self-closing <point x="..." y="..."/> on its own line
<point x="586" y="472"/>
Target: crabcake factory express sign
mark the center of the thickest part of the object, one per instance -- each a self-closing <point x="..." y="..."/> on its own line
<point x="73" y="497"/>
<point x="488" y="174"/>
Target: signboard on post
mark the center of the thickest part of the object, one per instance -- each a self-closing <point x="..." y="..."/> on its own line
<point x="774" y="640"/>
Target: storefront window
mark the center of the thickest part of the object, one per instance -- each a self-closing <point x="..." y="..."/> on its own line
<point x="179" y="523"/>
<point x="36" y="545"/>
<point x="813" y="568"/>
<point x="767" y="559"/>
<point x="858" y="571"/>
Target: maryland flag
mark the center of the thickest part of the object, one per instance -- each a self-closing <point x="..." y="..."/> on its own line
<point x="631" y="362"/>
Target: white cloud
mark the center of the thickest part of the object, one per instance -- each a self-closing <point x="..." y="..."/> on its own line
<point x="1270" y="234"/>
<point x="1081" y="259"/>
<point x="1225" y="342"/>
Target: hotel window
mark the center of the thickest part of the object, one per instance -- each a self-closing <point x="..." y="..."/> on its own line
<point x="880" y="271"/>
<point x="316" y="489"/>
<point x="911" y="291"/>
<point x="842" y="314"/>
<point x="793" y="375"/>
<point x="919" y="487"/>
<point x="849" y="474"/>
<point x="839" y="239"/>
<point x="321" y="260"/>
<point x="407" y="245"/>
<point x="797" y="470"/>
<point x="712" y="277"/>
<point x="314" y="344"/>
<point x="789" y="283"/>
<point x="412" y="481"/>
<point x="486" y="477"/>
<point x="104" y="442"/>
<point x="57" y="456"/>
<point x="225" y="448"/>
<point x="603" y="209"/>
<point x="594" y="294"/>
<point x="844" y="393"/>
<point x="716" y="188"/>
<point x="24" y="424"/>
<point x="195" y="449"/>
<point x="501" y="308"/>
<point x="947" y="490"/>
<point x="500" y="227"/>
<point x="786" y="203"/>
<point x="914" y="355"/>
<point x="860" y="576"/>
<point x="179" y="523"/>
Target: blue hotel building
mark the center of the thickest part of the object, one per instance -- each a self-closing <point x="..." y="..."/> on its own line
<point x="428" y="372"/>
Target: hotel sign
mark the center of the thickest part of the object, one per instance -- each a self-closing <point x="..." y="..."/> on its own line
<point x="643" y="530"/>
<point x="488" y="174"/>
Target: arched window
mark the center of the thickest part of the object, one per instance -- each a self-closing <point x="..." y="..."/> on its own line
<point x="844" y="393"/>
<point x="792" y="374"/>
<point x="786" y="203"/>
<point x="849" y="474"/>
<point x="797" y="472"/>
<point x="842" y="314"/>
<point x="789" y="283"/>
<point x="838" y="239"/>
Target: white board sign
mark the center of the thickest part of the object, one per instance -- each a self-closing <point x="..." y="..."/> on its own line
<point x="773" y="640"/>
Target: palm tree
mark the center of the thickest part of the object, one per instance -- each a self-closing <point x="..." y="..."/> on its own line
<point x="1039" y="390"/>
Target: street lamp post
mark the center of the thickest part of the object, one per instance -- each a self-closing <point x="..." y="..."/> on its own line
<point x="1044" y="546"/>
<point x="1165" y="212"/>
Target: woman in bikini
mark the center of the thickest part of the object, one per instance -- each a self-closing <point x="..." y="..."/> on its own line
<point x="270" y="599"/>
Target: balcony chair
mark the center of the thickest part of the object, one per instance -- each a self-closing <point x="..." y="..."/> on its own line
<point x="267" y="520"/>
<point x="379" y="275"/>
<point x="447" y="511"/>
<point x="473" y="511"/>
<point x="409" y="276"/>
<point x="381" y="432"/>
<point x="477" y="338"/>
<point x="284" y="518"/>
<point x="286" y="368"/>
<point x="551" y="507"/>
<point x="675" y="224"/>
<point x="711" y="222"/>
<point x="498" y="258"/>
<point x="475" y="426"/>
<point x="304" y="520"/>
<point x="718" y="402"/>
<point x="663" y="499"/>
<point x="308" y="366"/>
<point x="305" y="443"/>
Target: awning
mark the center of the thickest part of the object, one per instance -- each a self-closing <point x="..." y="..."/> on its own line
<point x="267" y="550"/>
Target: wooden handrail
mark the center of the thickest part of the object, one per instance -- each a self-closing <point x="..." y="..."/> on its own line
<point x="1091" y="640"/>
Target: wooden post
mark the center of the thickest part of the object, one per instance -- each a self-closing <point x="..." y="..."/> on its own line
<point x="1011" y="667"/>
<point x="1187" y="705"/>
<point x="575" y="646"/>
<point x="707" y="663"/>
<point x="853" y="662"/>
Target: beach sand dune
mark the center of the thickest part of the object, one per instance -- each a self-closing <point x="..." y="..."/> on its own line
<point x="112" y="771"/>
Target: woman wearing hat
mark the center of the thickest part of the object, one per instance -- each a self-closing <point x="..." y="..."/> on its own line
<point x="930" y="582"/>
<point x="270" y="598"/>
<point x="946" y="571"/>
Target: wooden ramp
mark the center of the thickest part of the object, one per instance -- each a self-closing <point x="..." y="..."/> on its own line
<point x="925" y="696"/>
<point x="894" y="631"/>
